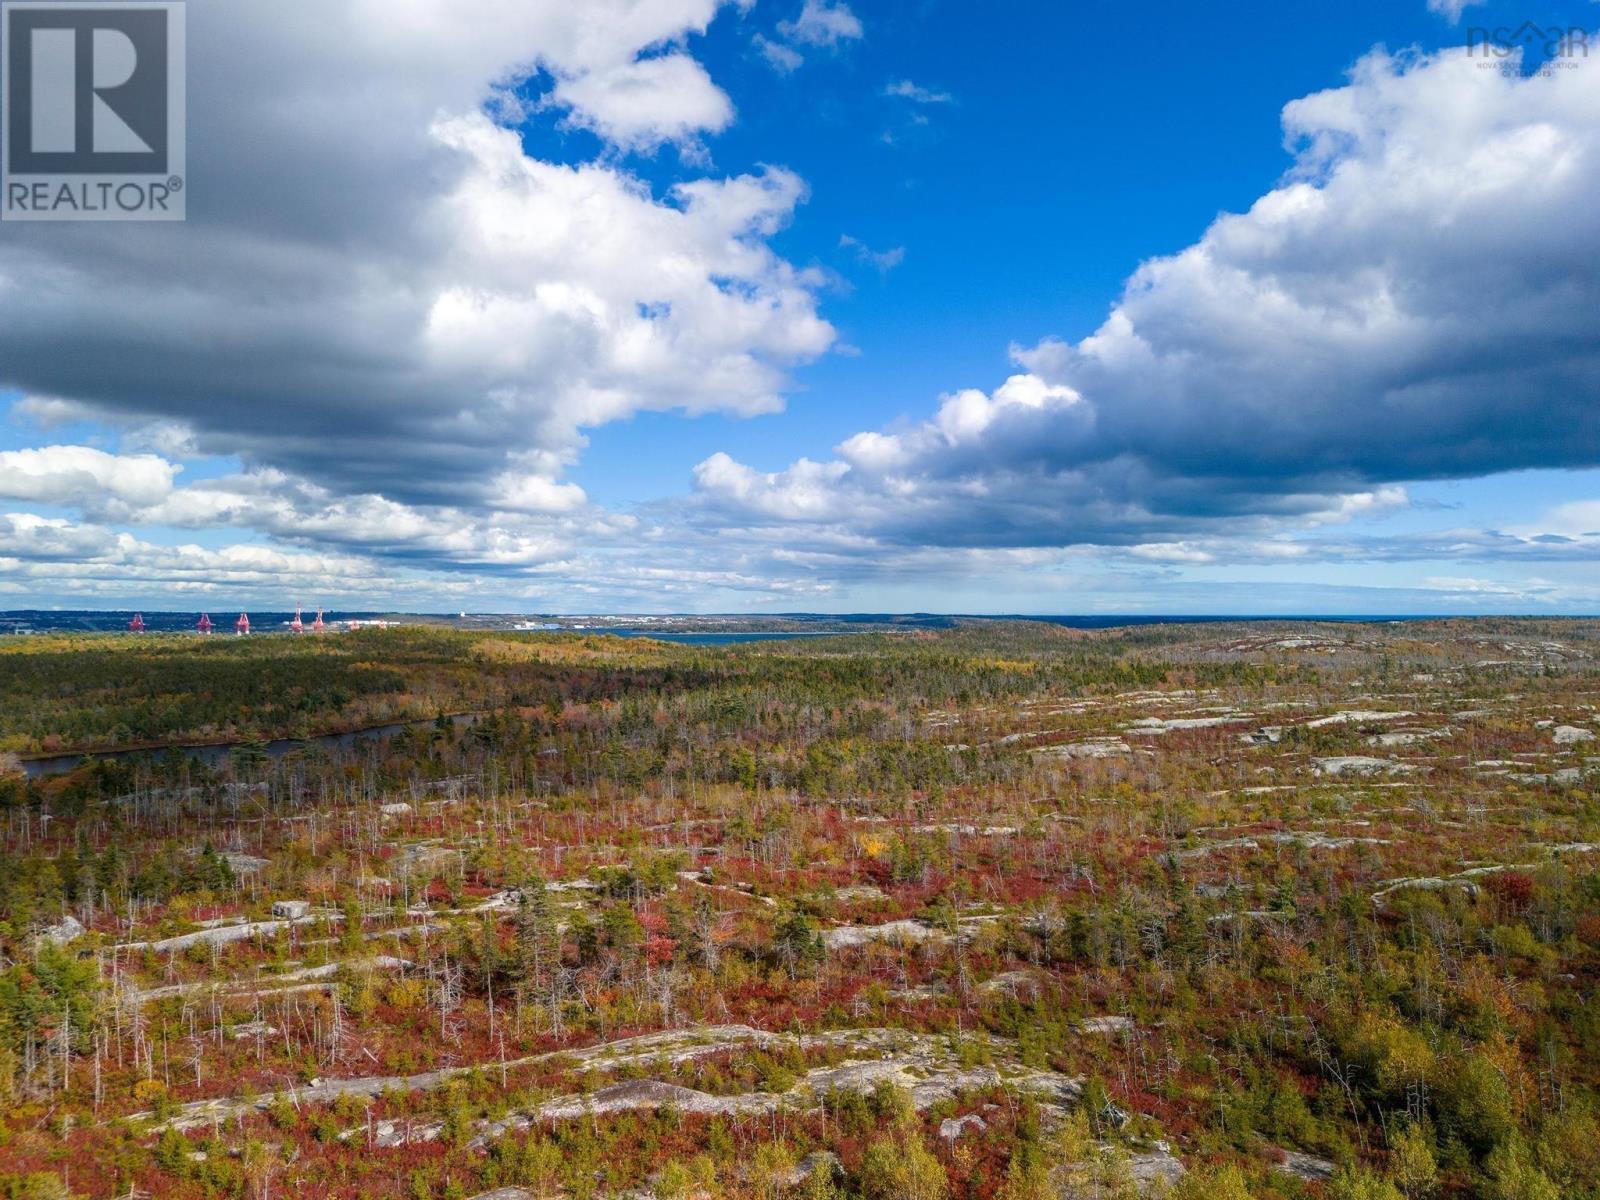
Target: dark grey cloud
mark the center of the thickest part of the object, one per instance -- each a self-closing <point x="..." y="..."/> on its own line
<point x="378" y="290"/>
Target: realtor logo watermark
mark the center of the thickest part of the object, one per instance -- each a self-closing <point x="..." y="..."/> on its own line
<point x="1504" y="48"/>
<point x="92" y="108"/>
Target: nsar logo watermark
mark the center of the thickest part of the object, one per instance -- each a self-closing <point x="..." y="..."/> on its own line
<point x="92" y="108"/>
<point x="1505" y="48"/>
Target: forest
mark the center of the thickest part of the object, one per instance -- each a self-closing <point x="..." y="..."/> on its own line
<point x="1006" y="911"/>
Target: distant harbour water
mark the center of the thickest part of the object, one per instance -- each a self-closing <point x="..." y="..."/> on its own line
<point x="719" y="639"/>
<point x="686" y="629"/>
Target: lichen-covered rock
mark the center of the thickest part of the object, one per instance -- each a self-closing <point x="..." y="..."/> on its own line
<point x="63" y="931"/>
<point x="951" y="1128"/>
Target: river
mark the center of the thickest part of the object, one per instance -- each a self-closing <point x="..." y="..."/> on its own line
<point x="213" y="754"/>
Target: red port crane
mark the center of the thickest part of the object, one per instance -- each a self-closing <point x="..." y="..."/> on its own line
<point x="297" y="625"/>
<point x="137" y="624"/>
<point x="317" y="626"/>
<point x="205" y="623"/>
<point x="242" y="625"/>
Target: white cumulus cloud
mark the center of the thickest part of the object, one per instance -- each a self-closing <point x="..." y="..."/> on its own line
<point x="1415" y="300"/>
<point x="80" y="475"/>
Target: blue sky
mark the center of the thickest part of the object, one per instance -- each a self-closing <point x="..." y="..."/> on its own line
<point x="1076" y="143"/>
<point x="715" y="310"/>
